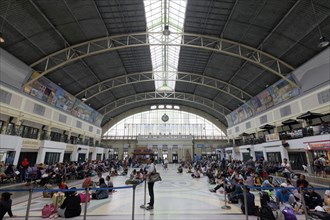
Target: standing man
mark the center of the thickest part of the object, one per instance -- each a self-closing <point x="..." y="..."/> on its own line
<point x="286" y="169"/>
<point x="25" y="166"/>
<point x="151" y="169"/>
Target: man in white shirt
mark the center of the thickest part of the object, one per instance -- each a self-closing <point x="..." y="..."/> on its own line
<point x="286" y="168"/>
<point x="151" y="169"/>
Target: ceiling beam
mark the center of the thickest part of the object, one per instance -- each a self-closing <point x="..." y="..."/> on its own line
<point x="143" y="77"/>
<point x="106" y="44"/>
<point x="182" y="97"/>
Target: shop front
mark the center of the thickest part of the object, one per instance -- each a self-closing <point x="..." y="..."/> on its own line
<point x="315" y="150"/>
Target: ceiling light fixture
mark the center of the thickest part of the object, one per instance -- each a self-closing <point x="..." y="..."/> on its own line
<point x="323" y="41"/>
<point x="166" y="30"/>
<point x="84" y="98"/>
<point x="2" y="38"/>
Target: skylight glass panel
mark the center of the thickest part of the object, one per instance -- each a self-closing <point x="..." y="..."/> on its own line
<point x="165" y="57"/>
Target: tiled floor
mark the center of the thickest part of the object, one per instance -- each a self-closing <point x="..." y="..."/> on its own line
<point x="178" y="196"/>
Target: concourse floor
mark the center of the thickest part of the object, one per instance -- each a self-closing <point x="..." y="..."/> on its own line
<point x="177" y="196"/>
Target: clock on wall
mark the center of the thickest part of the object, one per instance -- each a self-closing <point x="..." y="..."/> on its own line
<point x="165" y="118"/>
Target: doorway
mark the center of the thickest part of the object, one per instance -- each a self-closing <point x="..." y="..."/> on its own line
<point x="175" y="158"/>
<point x="165" y="154"/>
<point x="297" y="160"/>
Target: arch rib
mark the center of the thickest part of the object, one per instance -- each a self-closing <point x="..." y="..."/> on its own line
<point x="115" y="105"/>
<point x="111" y="43"/>
<point x="148" y="76"/>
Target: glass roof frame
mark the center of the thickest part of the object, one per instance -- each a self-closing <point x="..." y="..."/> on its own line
<point x="165" y="58"/>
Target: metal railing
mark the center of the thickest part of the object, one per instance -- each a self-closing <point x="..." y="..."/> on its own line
<point x="86" y="190"/>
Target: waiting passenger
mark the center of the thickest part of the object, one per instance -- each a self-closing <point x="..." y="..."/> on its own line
<point x="102" y="193"/>
<point x="257" y="180"/>
<point x="5" y="205"/>
<point x="250" y="200"/>
<point x="284" y="196"/>
<point x="268" y="183"/>
<point x="109" y="183"/>
<point x="71" y="206"/>
<point x="312" y="198"/>
<point x="196" y="173"/>
<point x="302" y="182"/>
<point x="235" y="191"/>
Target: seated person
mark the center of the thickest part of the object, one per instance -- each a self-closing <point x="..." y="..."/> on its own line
<point x="103" y="193"/>
<point x="302" y="182"/>
<point x="284" y="196"/>
<point x="220" y="183"/>
<point x="10" y="172"/>
<point x="133" y="173"/>
<point x="210" y="175"/>
<point x="2" y="169"/>
<point x="139" y="175"/>
<point x="293" y="191"/>
<point x="125" y="171"/>
<point x="109" y="183"/>
<point x="250" y="200"/>
<point x="277" y="181"/>
<point x="189" y="169"/>
<point x="180" y="170"/>
<point x="312" y="198"/>
<point x="257" y="180"/>
<point x="196" y="174"/>
<point x="71" y="205"/>
<point x="268" y="183"/>
<point x="327" y="198"/>
<point x="113" y="172"/>
<point x="236" y="190"/>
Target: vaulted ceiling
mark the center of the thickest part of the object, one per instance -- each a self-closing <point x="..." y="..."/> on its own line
<point x="230" y="50"/>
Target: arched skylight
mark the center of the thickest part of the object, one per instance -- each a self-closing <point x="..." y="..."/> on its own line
<point x="164" y="122"/>
<point x="164" y="17"/>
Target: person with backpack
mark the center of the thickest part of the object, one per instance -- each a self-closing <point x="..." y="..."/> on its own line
<point x="322" y="163"/>
<point x="317" y="166"/>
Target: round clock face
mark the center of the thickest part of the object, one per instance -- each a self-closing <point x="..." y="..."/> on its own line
<point x="165" y="118"/>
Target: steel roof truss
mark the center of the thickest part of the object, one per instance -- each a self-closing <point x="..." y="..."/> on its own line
<point x="227" y="47"/>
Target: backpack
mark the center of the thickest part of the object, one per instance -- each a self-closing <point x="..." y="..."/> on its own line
<point x="318" y="162"/>
<point x="47" y="194"/>
<point x="264" y="198"/>
<point x="320" y="215"/>
<point x="266" y="213"/>
<point x="289" y="214"/>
